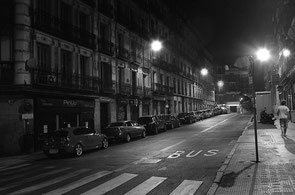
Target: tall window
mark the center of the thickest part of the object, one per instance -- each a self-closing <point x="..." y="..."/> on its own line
<point x="43" y="55"/>
<point x="84" y="21"/>
<point x="174" y="85"/>
<point x="66" y="65"/>
<point x="106" y="75"/>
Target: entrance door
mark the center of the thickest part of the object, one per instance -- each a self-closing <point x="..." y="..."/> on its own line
<point x="134" y="112"/>
<point x="104" y="115"/>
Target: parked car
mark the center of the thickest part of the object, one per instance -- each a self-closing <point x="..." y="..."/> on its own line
<point x="201" y="114"/>
<point x="185" y="118"/>
<point x="217" y="111"/>
<point x="170" y="121"/>
<point x="124" y="130"/>
<point x="152" y="123"/>
<point x="74" y="140"/>
<point x="196" y="116"/>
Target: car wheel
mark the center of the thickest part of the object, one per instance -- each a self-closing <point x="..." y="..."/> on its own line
<point x="128" y="138"/>
<point x="105" y="143"/>
<point x="78" y="150"/>
<point x="143" y="134"/>
<point x="156" y="130"/>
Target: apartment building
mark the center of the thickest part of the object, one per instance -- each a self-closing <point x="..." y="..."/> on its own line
<point x="89" y="62"/>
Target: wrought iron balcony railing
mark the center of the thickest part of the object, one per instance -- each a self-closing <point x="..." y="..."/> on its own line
<point x="106" y="47"/>
<point x="61" y="80"/>
<point x="56" y="26"/>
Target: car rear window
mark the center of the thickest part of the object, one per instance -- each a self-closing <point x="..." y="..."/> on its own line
<point x="58" y="133"/>
<point x="117" y="124"/>
<point x="143" y="120"/>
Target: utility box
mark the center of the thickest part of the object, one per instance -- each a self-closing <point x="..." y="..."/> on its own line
<point x="263" y="100"/>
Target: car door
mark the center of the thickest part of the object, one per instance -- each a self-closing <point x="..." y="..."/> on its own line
<point x="137" y="128"/>
<point x="94" y="138"/>
<point x="130" y="128"/>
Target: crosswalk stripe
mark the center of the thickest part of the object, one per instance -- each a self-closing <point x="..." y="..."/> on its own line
<point x="187" y="187"/>
<point x="13" y="167"/>
<point x="78" y="183"/>
<point x="111" y="184"/>
<point x="48" y="183"/>
<point x="36" y="177"/>
<point x="146" y="186"/>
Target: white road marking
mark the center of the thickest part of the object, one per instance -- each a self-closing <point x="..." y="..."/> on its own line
<point x="36" y="177"/>
<point x="78" y="183"/>
<point x="50" y="182"/>
<point x="215" y="125"/>
<point x="167" y="148"/>
<point x="187" y="187"/>
<point x="14" y="167"/>
<point x="146" y="186"/>
<point x="110" y="185"/>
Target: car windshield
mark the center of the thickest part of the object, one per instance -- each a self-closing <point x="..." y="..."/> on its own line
<point x="182" y="114"/>
<point x="58" y="133"/>
<point x="115" y="124"/>
<point x="143" y="120"/>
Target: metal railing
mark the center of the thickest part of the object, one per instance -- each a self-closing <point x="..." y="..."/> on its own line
<point x="62" y="80"/>
<point x="56" y="26"/>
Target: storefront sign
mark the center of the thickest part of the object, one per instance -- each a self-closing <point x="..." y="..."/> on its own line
<point x="66" y="103"/>
<point x="70" y="103"/>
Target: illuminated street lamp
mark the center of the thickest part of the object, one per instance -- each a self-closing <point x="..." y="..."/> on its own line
<point x="220" y="84"/>
<point x="204" y="71"/>
<point x="286" y="52"/>
<point x="262" y="55"/>
<point x="156" y="45"/>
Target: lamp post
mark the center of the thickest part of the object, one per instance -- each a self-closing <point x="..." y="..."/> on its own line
<point x="262" y="55"/>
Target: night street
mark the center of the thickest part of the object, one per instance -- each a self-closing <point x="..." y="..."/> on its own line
<point x="159" y="164"/>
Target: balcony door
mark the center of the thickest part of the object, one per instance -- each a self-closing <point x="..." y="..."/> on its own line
<point x="66" y="67"/>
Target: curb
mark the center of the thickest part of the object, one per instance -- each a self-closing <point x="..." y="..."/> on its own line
<point x="212" y="190"/>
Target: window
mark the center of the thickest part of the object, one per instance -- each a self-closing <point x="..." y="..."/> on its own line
<point x="168" y="81"/>
<point x="43" y="55"/>
<point x="66" y="13"/>
<point x="128" y="124"/>
<point x="106" y="75"/>
<point x="5" y="49"/>
<point x="66" y="65"/>
<point x="174" y="85"/>
<point x="84" y="21"/>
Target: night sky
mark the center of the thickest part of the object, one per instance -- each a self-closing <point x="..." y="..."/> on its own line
<point x="230" y="28"/>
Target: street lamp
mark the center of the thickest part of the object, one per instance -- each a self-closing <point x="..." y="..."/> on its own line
<point x="220" y="84"/>
<point x="204" y="71"/>
<point x="262" y="55"/>
<point x="156" y="45"/>
<point x="286" y="52"/>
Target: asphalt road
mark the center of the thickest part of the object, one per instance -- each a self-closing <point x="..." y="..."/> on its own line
<point x="187" y="157"/>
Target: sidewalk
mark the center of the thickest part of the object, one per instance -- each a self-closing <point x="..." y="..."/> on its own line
<point x="275" y="172"/>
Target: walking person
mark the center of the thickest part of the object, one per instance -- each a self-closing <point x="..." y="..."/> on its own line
<point x="283" y="113"/>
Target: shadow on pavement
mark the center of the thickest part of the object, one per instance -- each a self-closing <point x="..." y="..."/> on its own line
<point x="228" y="180"/>
<point x="289" y="144"/>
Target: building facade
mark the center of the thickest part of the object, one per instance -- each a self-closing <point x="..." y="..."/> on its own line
<point x="89" y="62"/>
<point x="280" y="77"/>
